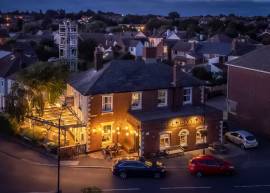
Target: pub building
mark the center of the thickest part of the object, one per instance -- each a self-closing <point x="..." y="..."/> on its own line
<point x="143" y="106"/>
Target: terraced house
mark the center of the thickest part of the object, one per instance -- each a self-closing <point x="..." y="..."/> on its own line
<point x="145" y="107"/>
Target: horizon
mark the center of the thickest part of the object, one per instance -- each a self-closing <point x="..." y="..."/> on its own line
<point x="141" y="7"/>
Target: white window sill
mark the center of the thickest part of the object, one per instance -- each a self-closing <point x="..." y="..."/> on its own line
<point x="106" y="112"/>
<point x="162" y="105"/>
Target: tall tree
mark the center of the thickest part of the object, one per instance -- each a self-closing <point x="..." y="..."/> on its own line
<point x="37" y="85"/>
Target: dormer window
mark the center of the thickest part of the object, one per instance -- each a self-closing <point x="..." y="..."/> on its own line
<point x="187" y="95"/>
<point x="162" y="98"/>
<point x="107" y="103"/>
<point x="136" y="101"/>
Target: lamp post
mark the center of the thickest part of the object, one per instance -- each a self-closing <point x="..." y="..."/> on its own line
<point x="58" y="157"/>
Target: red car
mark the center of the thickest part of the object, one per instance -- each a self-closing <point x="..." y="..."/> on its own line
<point x="209" y="165"/>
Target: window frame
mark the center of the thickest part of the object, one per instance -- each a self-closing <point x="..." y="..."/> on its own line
<point x="163" y="136"/>
<point x="165" y="96"/>
<point x="139" y="107"/>
<point x="107" y="142"/>
<point x="103" y="103"/>
<point x="203" y="139"/>
<point x="190" y="95"/>
<point x="186" y="137"/>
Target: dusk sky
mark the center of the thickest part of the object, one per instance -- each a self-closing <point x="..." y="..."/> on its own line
<point x="162" y="7"/>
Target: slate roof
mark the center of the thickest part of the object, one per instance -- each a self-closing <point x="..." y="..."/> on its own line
<point x="130" y="42"/>
<point x="127" y="76"/>
<point x="166" y="114"/>
<point x="244" y="48"/>
<point x="220" y="38"/>
<point x="182" y="46"/>
<point x="13" y="63"/>
<point x="214" y="48"/>
<point x="258" y="59"/>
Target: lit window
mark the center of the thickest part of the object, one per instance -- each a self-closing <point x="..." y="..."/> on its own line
<point x="183" y="135"/>
<point x="107" y="103"/>
<point x="165" y="49"/>
<point x="136" y="100"/>
<point x="107" y="134"/>
<point x="162" y="98"/>
<point x="164" y="141"/>
<point x="201" y="135"/>
<point x="187" y="95"/>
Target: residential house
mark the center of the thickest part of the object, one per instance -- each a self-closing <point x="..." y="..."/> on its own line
<point x="134" y="47"/>
<point x="249" y="91"/>
<point x="10" y="63"/>
<point x="144" y="106"/>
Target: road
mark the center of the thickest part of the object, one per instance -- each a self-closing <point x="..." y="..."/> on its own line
<point x="19" y="176"/>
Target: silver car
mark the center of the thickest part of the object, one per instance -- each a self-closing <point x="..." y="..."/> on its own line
<point x="243" y="138"/>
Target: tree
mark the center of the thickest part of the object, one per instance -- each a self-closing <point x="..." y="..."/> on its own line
<point x="202" y="74"/>
<point x="37" y="85"/>
<point x="46" y="49"/>
<point x="174" y="15"/>
<point x="86" y="49"/>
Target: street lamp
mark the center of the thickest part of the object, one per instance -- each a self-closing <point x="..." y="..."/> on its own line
<point x="58" y="151"/>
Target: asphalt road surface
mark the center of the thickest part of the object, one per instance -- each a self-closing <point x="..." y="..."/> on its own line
<point x="20" y="176"/>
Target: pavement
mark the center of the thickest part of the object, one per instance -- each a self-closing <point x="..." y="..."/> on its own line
<point x="24" y="152"/>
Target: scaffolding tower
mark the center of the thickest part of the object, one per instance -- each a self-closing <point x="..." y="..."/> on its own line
<point x="68" y="46"/>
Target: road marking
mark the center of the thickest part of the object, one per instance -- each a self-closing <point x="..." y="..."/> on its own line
<point x="121" y="189"/>
<point x="186" y="187"/>
<point x="252" y="186"/>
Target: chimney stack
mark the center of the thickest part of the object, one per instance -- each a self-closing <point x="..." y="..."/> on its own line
<point x="98" y="58"/>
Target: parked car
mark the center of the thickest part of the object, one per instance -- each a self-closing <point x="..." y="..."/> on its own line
<point x="136" y="168"/>
<point x="209" y="165"/>
<point x="242" y="138"/>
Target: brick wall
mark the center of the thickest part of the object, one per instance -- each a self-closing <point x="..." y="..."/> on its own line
<point x="251" y="91"/>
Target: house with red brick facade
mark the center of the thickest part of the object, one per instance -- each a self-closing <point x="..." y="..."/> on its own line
<point x="144" y="106"/>
<point x="249" y="91"/>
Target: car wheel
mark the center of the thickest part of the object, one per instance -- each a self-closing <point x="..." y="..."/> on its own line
<point x="123" y="175"/>
<point x="243" y="146"/>
<point x="157" y="175"/>
<point x="199" y="174"/>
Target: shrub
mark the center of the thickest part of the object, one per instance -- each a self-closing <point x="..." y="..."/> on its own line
<point x="9" y="126"/>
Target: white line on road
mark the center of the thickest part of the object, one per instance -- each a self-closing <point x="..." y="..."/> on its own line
<point x="121" y="189"/>
<point x="252" y="186"/>
<point x="186" y="187"/>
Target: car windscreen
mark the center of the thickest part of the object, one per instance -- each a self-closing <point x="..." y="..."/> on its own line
<point x="250" y="138"/>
